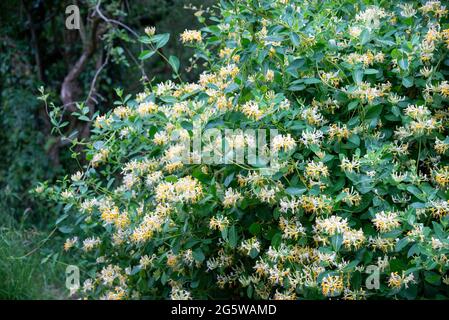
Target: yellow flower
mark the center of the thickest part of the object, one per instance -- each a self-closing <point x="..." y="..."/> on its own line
<point x="332" y="286"/>
<point x="317" y="205"/>
<point x="146" y="108"/>
<point x="269" y="75"/>
<point x="439" y="208"/>
<point x="191" y="36"/>
<point x="218" y="223"/>
<point x="443" y="88"/>
<point x="331" y="226"/>
<point x="316" y="170"/>
<point x="283" y="142"/>
<point x="69" y="243"/>
<point x="440" y="146"/>
<point x="353" y="238"/>
<point x="386" y="221"/>
<point x="109" y="215"/>
<point x="172" y="260"/>
<point x="226" y="52"/>
<point x="90" y="243"/>
<point x="251" y="110"/>
<point x="442" y="176"/>
<point x="231" y="198"/>
<point x="396" y="281"/>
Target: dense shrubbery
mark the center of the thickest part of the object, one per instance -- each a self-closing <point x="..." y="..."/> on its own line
<point x="359" y="95"/>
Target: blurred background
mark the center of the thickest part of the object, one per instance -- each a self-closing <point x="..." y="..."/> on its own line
<point x="37" y="50"/>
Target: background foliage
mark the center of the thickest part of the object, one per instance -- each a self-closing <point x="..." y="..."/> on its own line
<point x="37" y="50"/>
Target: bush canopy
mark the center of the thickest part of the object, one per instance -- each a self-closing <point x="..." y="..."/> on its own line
<point x="355" y="203"/>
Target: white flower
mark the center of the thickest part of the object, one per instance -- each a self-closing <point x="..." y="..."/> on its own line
<point x="231" y="198"/>
<point x="150" y="31"/>
<point x="371" y="17"/>
<point x="283" y="142"/>
<point x="407" y="10"/>
<point x="311" y="138"/>
<point x="77" y="176"/>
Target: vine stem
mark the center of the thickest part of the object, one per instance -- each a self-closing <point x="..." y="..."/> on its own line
<point x="39" y="246"/>
<point x="419" y="156"/>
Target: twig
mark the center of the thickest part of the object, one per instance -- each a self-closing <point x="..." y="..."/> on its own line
<point x="40" y="245"/>
<point x="94" y="80"/>
<point x="108" y="20"/>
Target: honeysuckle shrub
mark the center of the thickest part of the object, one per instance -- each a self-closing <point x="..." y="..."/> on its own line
<point x="357" y="205"/>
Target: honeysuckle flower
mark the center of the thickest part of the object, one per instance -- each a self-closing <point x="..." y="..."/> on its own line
<point x="191" y="36"/>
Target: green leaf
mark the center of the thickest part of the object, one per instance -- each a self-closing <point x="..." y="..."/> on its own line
<point x="276" y="240"/>
<point x="187" y="125"/>
<point x="357" y="75"/>
<point x="161" y="39"/>
<point x="351" y="266"/>
<point x="407" y="82"/>
<point x="44" y="260"/>
<point x="294" y="191"/>
<point x="352" y="105"/>
<point x="249" y="291"/>
<point x="232" y="237"/>
<point x="228" y="179"/>
<point x="295" y="39"/>
<point x="416" y="192"/>
<point x="174" y="63"/>
<point x="255" y="229"/>
<point x="355" y="139"/>
<point x="164" y="278"/>
<point x="365" y="37"/>
<point x="65" y="229"/>
<point x="438" y="230"/>
<point x="337" y="241"/>
<point x="61" y="218"/>
<point x="293" y="67"/>
<point x="403" y="63"/>
<point x="401" y="244"/>
<point x="253" y="253"/>
<point x="374" y="112"/>
<point x="298" y="87"/>
<point x="413" y="250"/>
<point x="311" y="80"/>
<point x="135" y="270"/>
<point x="433" y="278"/>
<point x="371" y="71"/>
<point x="84" y="118"/>
<point x="146" y="54"/>
<point x="145" y="39"/>
<point x="396" y="54"/>
<point x="198" y="255"/>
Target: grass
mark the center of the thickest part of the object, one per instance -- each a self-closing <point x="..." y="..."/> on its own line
<point x="25" y="271"/>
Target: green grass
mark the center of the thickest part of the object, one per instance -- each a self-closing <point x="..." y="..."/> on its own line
<point x="24" y="271"/>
